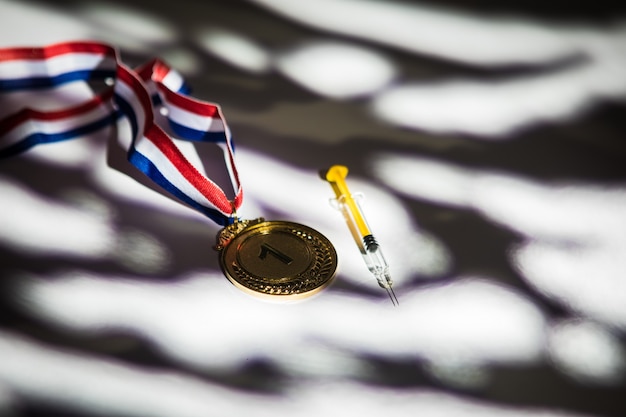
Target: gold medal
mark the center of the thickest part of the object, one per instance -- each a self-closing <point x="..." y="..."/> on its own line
<point x="276" y="258"/>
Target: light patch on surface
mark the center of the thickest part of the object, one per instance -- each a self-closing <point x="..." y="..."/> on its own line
<point x="236" y="49"/>
<point x="125" y="26"/>
<point x="76" y="153"/>
<point x="493" y="109"/>
<point x="141" y="252"/>
<point x="79" y="225"/>
<point x="89" y="202"/>
<point x="588" y="279"/>
<point x="94" y="385"/>
<point x="489" y="110"/>
<point x="324" y="362"/>
<point x="569" y="212"/>
<point x="127" y="21"/>
<point x="587" y="352"/>
<point x="336" y="70"/>
<point x="436" y="32"/>
<point x="54" y="25"/>
<point x="574" y="234"/>
<point x="470" y="322"/>
<point x="33" y="224"/>
<point x="426" y="179"/>
<point x="65" y="379"/>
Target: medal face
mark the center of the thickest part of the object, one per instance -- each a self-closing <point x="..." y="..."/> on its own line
<point x="276" y="258"/>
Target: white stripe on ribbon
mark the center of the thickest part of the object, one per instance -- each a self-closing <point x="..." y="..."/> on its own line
<point x="173" y="80"/>
<point x="193" y="120"/>
<point x="149" y="150"/>
<point x="128" y="94"/>
<point x="57" y="65"/>
<point x="51" y="127"/>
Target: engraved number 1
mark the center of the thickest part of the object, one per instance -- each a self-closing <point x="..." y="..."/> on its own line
<point x="265" y="249"/>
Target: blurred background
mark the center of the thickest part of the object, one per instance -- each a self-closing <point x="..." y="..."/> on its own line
<point x="487" y="140"/>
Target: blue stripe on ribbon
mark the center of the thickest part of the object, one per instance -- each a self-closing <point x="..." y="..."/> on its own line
<point x="47" y="81"/>
<point x="156" y="100"/>
<point x="197" y="135"/>
<point x="39" y="138"/>
<point x="127" y="110"/>
<point x="184" y="89"/>
<point x="148" y="168"/>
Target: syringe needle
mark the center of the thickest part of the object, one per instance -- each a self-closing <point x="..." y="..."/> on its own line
<point x="369" y="248"/>
<point x="392" y="295"/>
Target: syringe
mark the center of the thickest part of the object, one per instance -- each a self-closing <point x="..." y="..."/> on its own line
<point x="369" y="248"/>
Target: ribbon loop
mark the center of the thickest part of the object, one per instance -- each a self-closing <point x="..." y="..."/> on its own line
<point x="135" y="94"/>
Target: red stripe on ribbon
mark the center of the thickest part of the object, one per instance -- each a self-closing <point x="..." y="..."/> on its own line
<point x="205" y="186"/>
<point x="195" y="106"/>
<point x="50" y="51"/>
<point x="10" y="122"/>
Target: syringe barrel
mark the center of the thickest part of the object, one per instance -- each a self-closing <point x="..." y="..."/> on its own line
<point x="376" y="262"/>
<point x="370" y="250"/>
<point x="357" y="224"/>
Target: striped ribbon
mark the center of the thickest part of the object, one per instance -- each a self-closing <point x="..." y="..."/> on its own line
<point x="136" y="95"/>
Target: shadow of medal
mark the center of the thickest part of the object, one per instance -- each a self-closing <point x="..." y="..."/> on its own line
<point x="276" y="258"/>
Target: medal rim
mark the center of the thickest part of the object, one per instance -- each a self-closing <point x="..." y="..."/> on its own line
<point x="282" y="224"/>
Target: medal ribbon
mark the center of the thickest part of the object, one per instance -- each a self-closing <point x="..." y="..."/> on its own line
<point x="136" y="95"/>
